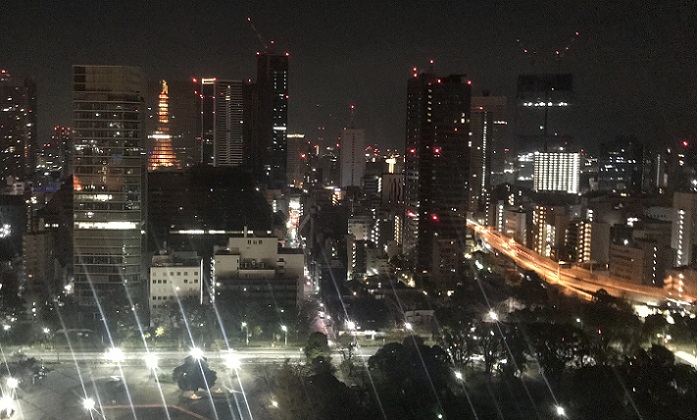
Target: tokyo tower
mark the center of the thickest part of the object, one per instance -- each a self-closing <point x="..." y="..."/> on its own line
<point x="163" y="156"/>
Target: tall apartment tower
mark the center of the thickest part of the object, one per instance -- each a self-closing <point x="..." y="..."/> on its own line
<point x="487" y="128"/>
<point x="437" y="167"/>
<point x="684" y="236"/>
<point x="17" y="127"/>
<point x="54" y="155"/>
<point x="352" y="155"/>
<point x="299" y="151"/>
<point x="62" y="139"/>
<point x="109" y="183"/>
<point x="221" y="122"/>
<point x="271" y="146"/>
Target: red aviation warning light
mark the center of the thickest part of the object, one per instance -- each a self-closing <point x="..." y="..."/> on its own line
<point x="437" y="150"/>
<point x="434" y="217"/>
<point x="412" y="151"/>
<point x="685" y="143"/>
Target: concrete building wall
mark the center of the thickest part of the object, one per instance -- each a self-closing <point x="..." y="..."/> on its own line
<point x="171" y="282"/>
<point x="255" y="248"/>
<point x="515" y="225"/>
<point x="626" y="263"/>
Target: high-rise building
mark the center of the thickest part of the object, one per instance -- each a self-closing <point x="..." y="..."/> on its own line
<point x="299" y="151"/>
<point x="109" y="183"/>
<point x="221" y="122"/>
<point x="352" y="155"/>
<point x="17" y="127"/>
<point x="62" y="138"/>
<point x="488" y="129"/>
<point x="549" y="225"/>
<point x="544" y="102"/>
<point x="163" y="156"/>
<point x="557" y="172"/>
<point x="56" y="154"/>
<point x="621" y="166"/>
<point x="684" y="235"/>
<point x="269" y="153"/>
<point x="437" y="166"/>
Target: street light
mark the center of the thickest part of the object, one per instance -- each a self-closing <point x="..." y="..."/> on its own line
<point x="408" y="326"/>
<point x="196" y="353"/>
<point x="115" y="354"/>
<point x="246" y="335"/>
<point x="88" y="404"/>
<point x="458" y="375"/>
<point x="46" y="331"/>
<point x="232" y="361"/>
<point x="7" y="407"/>
<point x="12" y="383"/>
<point x="350" y="325"/>
<point x="561" y="412"/>
<point x="151" y="361"/>
<point x="285" y="333"/>
<point x="493" y="315"/>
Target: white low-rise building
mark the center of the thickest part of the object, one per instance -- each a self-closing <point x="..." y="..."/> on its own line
<point x="175" y="276"/>
<point x="256" y="268"/>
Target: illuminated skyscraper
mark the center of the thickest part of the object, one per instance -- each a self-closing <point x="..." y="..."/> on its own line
<point x="557" y="172"/>
<point x="488" y="128"/>
<point x="56" y="154"/>
<point x="221" y="122"/>
<point x="684" y="235"/>
<point x="108" y="183"/>
<point x="352" y="154"/>
<point x="437" y="170"/>
<point x="299" y="151"/>
<point x="17" y="127"/>
<point x="163" y="156"/>
<point x="270" y="149"/>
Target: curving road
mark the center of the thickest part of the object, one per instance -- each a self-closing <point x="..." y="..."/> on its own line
<point x="575" y="280"/>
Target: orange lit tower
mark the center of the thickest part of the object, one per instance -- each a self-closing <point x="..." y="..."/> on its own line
<point x="163" y="156"/>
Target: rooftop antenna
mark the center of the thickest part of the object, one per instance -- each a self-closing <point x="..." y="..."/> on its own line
<point x="351" y="123"/>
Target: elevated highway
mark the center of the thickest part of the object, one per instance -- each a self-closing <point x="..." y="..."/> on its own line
<point x="575" y="280"/>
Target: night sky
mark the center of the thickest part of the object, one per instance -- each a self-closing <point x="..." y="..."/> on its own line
<point x="634" y="63"/>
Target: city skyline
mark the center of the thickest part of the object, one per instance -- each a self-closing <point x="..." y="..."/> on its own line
<point x="315" y="210"/>
<point x="342" y="55"/>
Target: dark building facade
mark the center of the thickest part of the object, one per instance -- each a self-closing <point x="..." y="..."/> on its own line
<point x="109" y="183"/>
<point x="270" y="148"/>
<point x="17" y="127"/>
<point x="488" y="131"/>
<point x="221" y="124"/>
<point x="437" y="166"/>
<point x="621" y="166"/>
<point x="543" y="105"/>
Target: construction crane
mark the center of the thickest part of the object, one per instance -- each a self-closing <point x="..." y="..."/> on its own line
<point x="262" y="41"/>
<point x="558" y="54"/>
